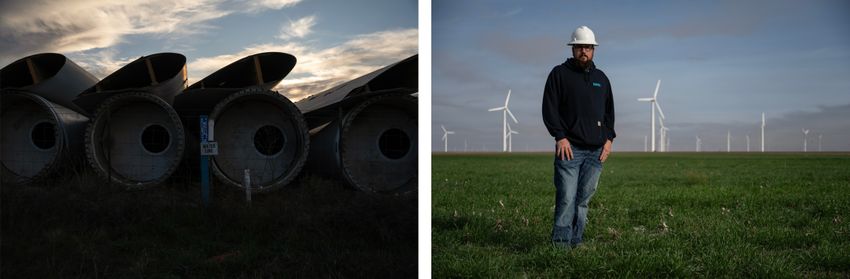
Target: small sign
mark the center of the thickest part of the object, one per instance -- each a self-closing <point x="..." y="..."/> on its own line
<point x="209" y="148"/>
<point x="204" y="129"/>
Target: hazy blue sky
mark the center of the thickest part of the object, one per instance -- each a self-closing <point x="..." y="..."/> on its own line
<point x="721" y="63"/>
<point x="334" y="41"/>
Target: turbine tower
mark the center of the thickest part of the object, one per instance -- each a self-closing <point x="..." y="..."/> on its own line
<point x="505" y="113"/>
<point x="805" y="139"/>
<point x="446" y="134"/>
<point x="762" y="132"/>
<point x="728" y="140"/>
<point x="748" y="142"/>
<point x="653" y="103"/>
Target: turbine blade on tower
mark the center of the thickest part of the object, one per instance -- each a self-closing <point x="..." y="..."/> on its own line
<point x="659" y="109"/>
<point x="508" y="99"/>
<point x="511" y="114"/>
<point x="495" y="109"/>
<point x="657" y="85"/>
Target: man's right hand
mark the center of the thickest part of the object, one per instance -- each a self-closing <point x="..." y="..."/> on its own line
<point x="563" y="149"/>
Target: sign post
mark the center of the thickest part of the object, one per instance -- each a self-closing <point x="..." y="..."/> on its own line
<point x="208" y="147"/>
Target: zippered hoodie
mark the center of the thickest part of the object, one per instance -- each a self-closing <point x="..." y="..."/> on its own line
<point x="578" y="104"/>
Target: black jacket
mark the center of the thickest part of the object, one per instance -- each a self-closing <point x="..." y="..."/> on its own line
<point x="578" y="105"/>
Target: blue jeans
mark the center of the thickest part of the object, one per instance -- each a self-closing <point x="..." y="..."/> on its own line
<point x="575" y="183"/>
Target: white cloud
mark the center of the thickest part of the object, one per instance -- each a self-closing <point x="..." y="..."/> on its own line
<point x="260" y="5"/>
<point x="299" y="28"/>
<point x="320" y="69"/>
<point x="57" y="26"/>
<point x="101" y="63"/>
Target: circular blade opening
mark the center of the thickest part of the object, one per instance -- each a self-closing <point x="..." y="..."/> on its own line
<point x="155" y="138"/>
<point x="44" y="135"/>
<point x="269" y="140"/>
<point x="394" y="143"/>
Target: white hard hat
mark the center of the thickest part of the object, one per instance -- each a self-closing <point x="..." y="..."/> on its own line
<point x="583" y="36"/>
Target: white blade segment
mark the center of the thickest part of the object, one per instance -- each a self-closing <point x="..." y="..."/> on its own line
<point x="508" y="99"/>
<point x="444" y="128"/>
<point x="495" y="109"/>
<point x="657" y="85"/>
<point x="659" y="109"/>
<point x="512" y="115"/>
<point x="450" y="132"/>
<point x="646" y="99"/>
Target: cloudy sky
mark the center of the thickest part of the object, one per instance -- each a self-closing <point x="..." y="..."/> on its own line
<point x="334" y="41"/>
<point x="721" y="63"/>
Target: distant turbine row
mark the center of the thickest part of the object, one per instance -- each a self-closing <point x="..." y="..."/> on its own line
<point x="507" y="132"/>
<point x="664" y="131"/>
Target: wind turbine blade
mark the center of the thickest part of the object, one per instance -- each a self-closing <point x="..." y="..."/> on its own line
<point x="514" y="132"/>
<point x="657" y="85"/>
<point x="444" y="128"/>
<point x="450" y="132"/>
<point x="646" y="99"/>
<point x="495" y="109"/>
<point x="659" y="109"/>
<point x="508" y="99"/>
<point x="445" y="136"/>
<point x="511" y="114"/>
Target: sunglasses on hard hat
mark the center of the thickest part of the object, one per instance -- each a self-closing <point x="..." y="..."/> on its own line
<point x="583" y="47"/>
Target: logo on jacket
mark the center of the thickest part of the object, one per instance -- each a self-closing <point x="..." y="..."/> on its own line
<point x="596" y="84"/>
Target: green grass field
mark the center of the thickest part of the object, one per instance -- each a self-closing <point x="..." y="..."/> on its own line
<point x="653" y="215"/>
<point x="77" y="227"/>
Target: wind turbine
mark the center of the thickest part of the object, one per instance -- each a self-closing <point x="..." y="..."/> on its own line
<point x="653" y="104"/>
<point x="748" y="142"/>
<point x="665" y="141"/>
<point x="728" y="140"/>
<point x="505" y="113"/>
<point x="805" y="139"/>
<point x="699" y="143"/>
<point x="510" y="142"/>
<point x="446" y="134"/>
<point x="762" y="132"/>
<point x="464" y="143"/>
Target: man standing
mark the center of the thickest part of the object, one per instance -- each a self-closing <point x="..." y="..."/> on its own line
<point x="578" y="111"/>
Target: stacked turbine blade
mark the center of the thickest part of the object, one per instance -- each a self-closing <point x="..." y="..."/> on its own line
<point x="135" y="137"/>
<point x="260" y="130"/>
<point x="42" y="129"/>
<point x="364" y="131"/>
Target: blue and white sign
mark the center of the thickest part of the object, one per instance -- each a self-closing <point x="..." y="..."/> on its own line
<point x="208" y="146"/>
<point x="204" y="128"/>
